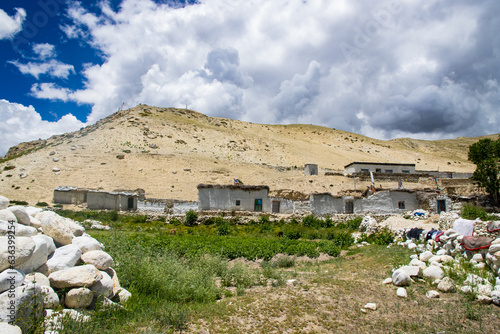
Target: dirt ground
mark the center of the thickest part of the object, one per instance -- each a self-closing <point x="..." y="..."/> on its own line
<point x="329" y="297"/>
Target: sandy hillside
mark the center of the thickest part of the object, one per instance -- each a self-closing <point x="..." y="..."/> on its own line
<point x="167" y="152"/>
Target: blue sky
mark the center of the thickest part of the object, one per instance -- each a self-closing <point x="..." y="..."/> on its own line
<point x="399" y="68"/>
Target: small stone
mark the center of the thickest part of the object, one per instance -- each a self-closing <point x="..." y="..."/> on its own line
<point x="412" y="246"/>
<point x="401" y="292"/>
<point x="371" y="306"/>
<point x="425" y="256"/>
<point x="78" y="298"/>
<point x="433" y="272"/>
<point x="401" y="278"/>
<point x="482" y="299"/>
<point x="432" y="294"/>
<point x="388" y="280"/>
<point x="446" y="285"/>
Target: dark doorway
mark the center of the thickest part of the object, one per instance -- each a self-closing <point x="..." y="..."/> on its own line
<point x="130" y="203"/>
<point x="258" y="205"/>
<point x="276" y="206"/>
<point x="349" y="207"/>
<point x="441" y="205"/>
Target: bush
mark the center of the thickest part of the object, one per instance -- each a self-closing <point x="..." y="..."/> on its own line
<point x="473" y="212"/>
<point x="191" y="218"/>
<point x="292" y="234"/>
<point x="311" y="221"/>
<point x="342" y="239"/>
<point x="223" y="229"/>
<point x="42" y="204"/>
<point x="355" y="223"/>
<point x="263" y="219"/>
<point x="19" y="203"/>
<point x="383" y="237"/>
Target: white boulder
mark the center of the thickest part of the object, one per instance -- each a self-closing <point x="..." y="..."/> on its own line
<point x="433" y="273"/>
<point x="418" y="263"/>
<point x="401" y="278"/>
<point x="50" y="298"/>
<point x="21" y="306"/>
<point x="55" y="227"/>
<point x="81" y="276"/>
<point x="44" y="245"/>
<point x="432" y="294"/>
<point x="17" y="229"/>
<point x="103" y="287"/>
<point x="87" y="243"/>
<point x="446" y="285"/>
<point x="11" y="279"/>
<point x="63" y="258"/>
<point x="401" y="292"/>
<point x="21" y="214"/>
<point x="24" y="247"/>
<point x="7" y="216"/>
<point x="425" y="256"/>
<point x="38" y="278"/>
<point x="78" y="298"/>
<point x="6" y="328"/>
<point x="100" y="259"/>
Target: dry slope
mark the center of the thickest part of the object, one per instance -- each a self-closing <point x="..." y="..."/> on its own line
<point x="168" y="151"/>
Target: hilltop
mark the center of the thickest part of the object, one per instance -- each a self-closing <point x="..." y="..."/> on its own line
<point x="168" y="151"/>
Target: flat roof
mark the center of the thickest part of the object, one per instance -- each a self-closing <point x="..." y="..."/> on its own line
<point x="232" y="186"/>
<point x="378" y="163"/>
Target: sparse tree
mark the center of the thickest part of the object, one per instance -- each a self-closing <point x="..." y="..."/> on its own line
<point x="485" y="154"/>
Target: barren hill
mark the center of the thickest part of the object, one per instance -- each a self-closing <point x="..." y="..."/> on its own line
<point x="167" y="152"/>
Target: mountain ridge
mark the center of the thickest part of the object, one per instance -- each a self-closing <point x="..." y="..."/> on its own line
<point x="168" y="151"/>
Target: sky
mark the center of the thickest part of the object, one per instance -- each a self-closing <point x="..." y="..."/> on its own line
<point x="427" y="69"/>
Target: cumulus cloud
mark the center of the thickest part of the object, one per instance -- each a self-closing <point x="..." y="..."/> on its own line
<point x="10" y="26"/>
<point x="53" y="68"/>
<point x="397" y="68"/>
<point x="20" y="124"/>
<point x="44" y="50"/>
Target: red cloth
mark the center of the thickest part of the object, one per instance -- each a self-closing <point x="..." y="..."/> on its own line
<point x="476" y="243"/>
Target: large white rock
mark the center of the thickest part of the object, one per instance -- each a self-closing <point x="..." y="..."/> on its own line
<point x="33" y="211"/>
<point x="38" y="278"/>
<point x="100" y="259"/>
<point x="87" y="243"/>
<point x="401" y="278"/>
<point x="446" y="285"/>
<point x="81" y="276"/>
<point x="17" y="229"/>
<point x="4" y="202"/>
<point x="104" y="287"/>
<point x="35" y="223"/>
<point x="23" y="307"/>
<point x="494" y="248"/>
<point x="418" y="263"/>
<point x="6" y="328"/>
<point x="78" y="298"/>
<point x="412" y="271"/>
<point x="22" y="251"/>
<point x="76" y="229"/>
<point x="21" y="214"/>
<point x="412" y="245"/>
<point x="433" y="273"/>
<point x="44" y="246"/>
<point x="11" y="279"/>
<point x="425" y="256"/>
<point x="63" y="258"/>
<point x="478" y="257"/>
<point x="56" y="227"/>
<point x="7" y="215"/>
<point x="50" y="298"/>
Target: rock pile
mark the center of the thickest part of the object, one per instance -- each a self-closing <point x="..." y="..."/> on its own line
<point x="445" y="252"/>
<point x="48" y="261"/>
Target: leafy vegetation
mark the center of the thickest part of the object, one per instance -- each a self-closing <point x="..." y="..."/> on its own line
<point x="485" y="154"/>
<point x="473" y="212"/>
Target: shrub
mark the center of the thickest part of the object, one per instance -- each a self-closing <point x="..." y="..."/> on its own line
<point x="382" y="237"/>
<point x="191" y="218"/>
<point x="311" y="221"/>
<point x="223" y="229"/>
<point x="473" y="212"/>
<point x="42" y="204"/>
<point x="19" y="203"/>
<point x="355" y="223"/>
<point x="263" y="219"/>
<point x="342" y="239"/>
<point x="175" y="221"/>
<point x="292" y="234"/>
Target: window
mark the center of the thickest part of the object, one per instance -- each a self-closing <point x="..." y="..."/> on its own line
<point x="401" y="205"/>
<point x="406" y="171"/>
<point x="389" y="171"/>
<point x="378" y="170"/>
<point x="238" y="202"/>
<point x="365" y="170"/>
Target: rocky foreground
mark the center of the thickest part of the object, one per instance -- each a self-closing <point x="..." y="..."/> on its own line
<point x="48" y="262"/>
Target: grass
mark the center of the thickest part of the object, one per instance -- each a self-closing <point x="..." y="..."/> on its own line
<point x="185" y="283"/>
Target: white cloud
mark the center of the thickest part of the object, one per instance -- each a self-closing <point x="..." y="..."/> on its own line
<point x="50" y="91"/>
<point x="415" y="69"/>
<point x="52" y="68"/>
<point x="44" y="50"/>
<point x="21" y="124"/>
<point x="9" y="26"/>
